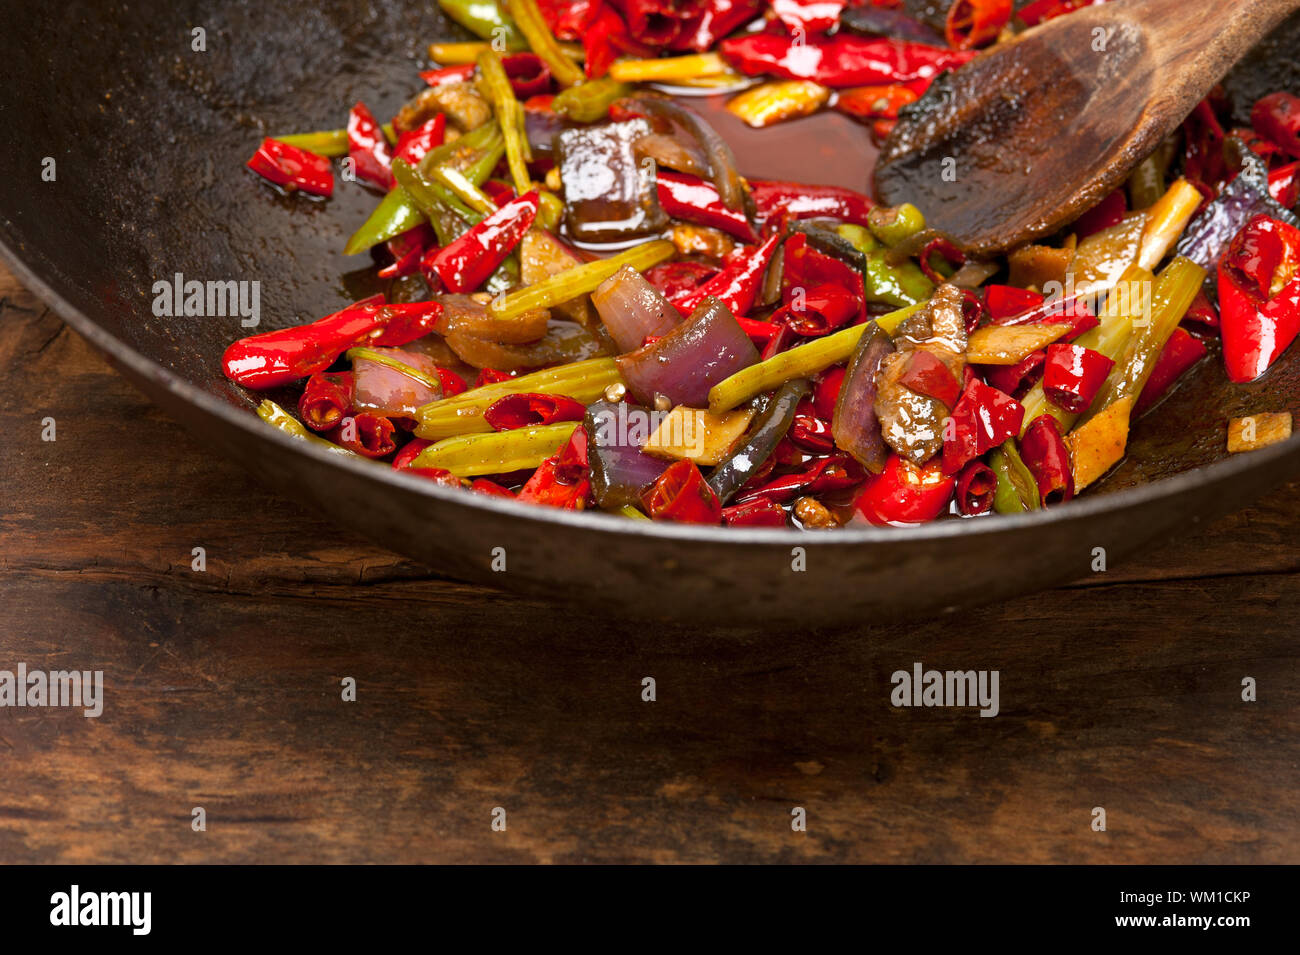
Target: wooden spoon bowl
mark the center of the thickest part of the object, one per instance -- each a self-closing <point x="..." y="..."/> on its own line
<point x="1026" y="137"/>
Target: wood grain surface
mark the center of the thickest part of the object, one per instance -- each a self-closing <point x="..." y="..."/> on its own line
<point x="223" y="688"/>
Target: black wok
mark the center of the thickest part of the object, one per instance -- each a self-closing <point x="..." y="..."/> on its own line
<point x="149" y="139"/>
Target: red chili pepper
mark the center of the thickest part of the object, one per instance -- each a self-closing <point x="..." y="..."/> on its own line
<point x="485" y="486"/>
<point x="414" y="144"/>
<point x="927" y="375"/>
<point x="1110" y="211"/>
<point x="677" y="278"/>
<point x="598" y="42"/>
<point x="287" y="354"/>
<point x="808" y="16"/>
<point x="737" y="285"/>
<point x="940" y="246"/>
<point x="292" y="168"/>
<point x="407" y="249"/>
<point x="1073" y="375"/>
<point x="806" y="268"/>
<point x="882" y="101"/>
<point x="569" y="19"/>
<point x="528" y="410"/>
<point x="1039" y="11"/>
<point x="693" y="199"/>
<point x="905" y="494"/>
<point x="1202" y="312"/>
<point x="410" y="451"/>
<point x="403" y="322"/>
<point x="528" y="74"/>
<point x="490" y="376"/>
<point x="562" y="481"/>
<point x="1053" y="311"/>
<point x="759" y="512"/>
<point x="1017" y="379"/>
<point x="437" y="476"/>
<point x="452" y="383"/>
<point x="1181" y="352"/>
<point x="1006" y="301"/>
<point x="712" y="20"/>
<point x="1284" y="184"/>
<point x="465" y="263"/>
<point x="448" y="74"/>
<point x="368" y="149"/>
<point x="1258" y="325"/>
<point x="799" y="201"/>
<point x="827" y="392"/>
<point x="367" y="434"/>
<point x="1203" y="134"/>
<point x="498" y="191"/>
<point x="657" y="22"/>
<point x="1276" y="117"/>
<point x="836" y="472"/>
<point x="1048" y="459"/>
<point x="821" y="309"/>
<point x="844" y="60"/>
<point x="975" y="488"/>
<point x="681" y="494"/>
<point x="760" y="332"/>
<point x="779" y="342"/>
<point x="809" y="432"/>
<point x="326" y="398"/>
<point x="973" y="23"/>
<point x="982" y="419"/>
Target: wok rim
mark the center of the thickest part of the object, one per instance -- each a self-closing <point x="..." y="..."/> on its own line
<point x="1077" y="509"/>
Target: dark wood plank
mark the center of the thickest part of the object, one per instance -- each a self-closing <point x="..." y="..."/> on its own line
<point x="223" y="688"/>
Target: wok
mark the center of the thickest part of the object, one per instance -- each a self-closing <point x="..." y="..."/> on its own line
<point x="149" y="137"/>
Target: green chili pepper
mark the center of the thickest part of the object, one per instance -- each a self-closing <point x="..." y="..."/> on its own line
<point x="897" y="285"/>
<point x="1016" y="490"/>
<point x="448" y="215"/>
<point x="396" y="213"/>
<point x="496" y="452"/>
<point x="550" y="210"/>
<point x="328" y="142"/>
<point x="496" y="86"/>
<point x="277" y="417"/>
<point x="487" y="19"/>
<point x="892" y="224"/>
<point x="590" y="101"/>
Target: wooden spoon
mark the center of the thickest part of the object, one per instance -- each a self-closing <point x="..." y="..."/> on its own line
<point x="1032" y="133"/>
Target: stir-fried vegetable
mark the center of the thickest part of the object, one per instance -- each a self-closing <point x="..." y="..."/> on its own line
<point x="586" y="304"/>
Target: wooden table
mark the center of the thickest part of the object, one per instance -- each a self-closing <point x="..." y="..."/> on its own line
<point x="223" y="688"/>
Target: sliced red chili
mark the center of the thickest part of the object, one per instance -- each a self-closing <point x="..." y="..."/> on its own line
<point x="681" y="494"/>
<point x="926" y="374"/>
<point x="905" y="494"/>
<point x="975" y="489"/>
<point x="326" y="398"/>
<point x="368" y="149"/>
<point x="1044" y="452"/>
<point x="972" y="23"/>
<point x="367" y="434"/>
<point x="528" y="410"/>
<point x="982" y="419"/>
<point x="759" y="512"/>
<point x="465" y="263"/>
<point x="292" y="168"/>
<point x="414" y="144"/>
<point x="693" y="199"/>
<point x="1181" y="352"/>
<point x="1073" y="375"/>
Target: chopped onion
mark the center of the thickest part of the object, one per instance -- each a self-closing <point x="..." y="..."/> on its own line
<point x="1238" y="202"/>
<point x="393" y="382"/>
<point x="563" y="343"/>
<point x="620" y="470"/>
<point x="854" y="425"/>
<point x="683" y="365"/>
<point x="633" y="309"/>
<point x="466" y="315"/>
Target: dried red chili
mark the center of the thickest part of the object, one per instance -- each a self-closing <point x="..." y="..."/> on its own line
<point x="1044" y="452"/>
<point x="371" y="156"/>
<point x="466" y="262"/>
<point x="528" y="410"/>
<point x="326" y="398"/>
<point x="1073" y="375"/>
<point x="681" y="494"/>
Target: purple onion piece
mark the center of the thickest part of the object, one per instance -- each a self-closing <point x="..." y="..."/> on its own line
<point x="389" y="391"/>
<point x="633" y="309"/>
<point x="1238" y="202"/>
<point x="620" y="470"/>
<point x="854" y="424"/>
<point x="683" y="365"/>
